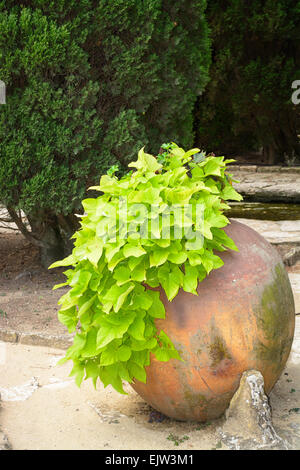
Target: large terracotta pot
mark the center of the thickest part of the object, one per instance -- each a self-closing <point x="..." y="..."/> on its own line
<point x="243" y="318"/>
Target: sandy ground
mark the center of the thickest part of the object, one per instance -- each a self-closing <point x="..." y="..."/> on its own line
<point x="48" y="411"/>
<point x="42" y="408"/>
<point x="27" y="301"/>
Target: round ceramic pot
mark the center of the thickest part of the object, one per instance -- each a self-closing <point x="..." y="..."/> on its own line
<point x="243" y="318"/>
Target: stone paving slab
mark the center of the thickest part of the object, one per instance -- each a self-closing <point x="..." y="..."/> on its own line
<point x="36" y="339"/>
<point x="295" y="283"/>
<point x="276" y="232"/>
<point x="267" y="186"/>
<point x="264" y="169"/>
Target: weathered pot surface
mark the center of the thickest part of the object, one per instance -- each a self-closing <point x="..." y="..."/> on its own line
<point x="243" y="318"/>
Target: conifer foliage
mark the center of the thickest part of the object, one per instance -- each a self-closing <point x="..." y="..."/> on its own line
<point x="88" y="84"/>
<point x="256" y="59"/>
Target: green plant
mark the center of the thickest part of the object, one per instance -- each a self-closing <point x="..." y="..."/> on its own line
<point x="176" y="439"/>
<point x="87" y="84"/>
<point x="202" y="426"/>
<point x="3" y="314"/>
<point x="157" y="226"/>
<point x="218" y="445"/>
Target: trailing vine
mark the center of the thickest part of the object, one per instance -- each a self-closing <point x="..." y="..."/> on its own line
<point x="155" y="228"/>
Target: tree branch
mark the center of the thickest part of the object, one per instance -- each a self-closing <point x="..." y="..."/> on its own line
<point x="22" y="227"/>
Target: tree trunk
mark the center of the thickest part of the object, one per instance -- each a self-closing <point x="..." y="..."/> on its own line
<point x="270" y="154"/>
<point x="52" y="248"/>
<point x="49" y="232"/>
<point x="53" y="233"/>
<point x="285" y="147"/>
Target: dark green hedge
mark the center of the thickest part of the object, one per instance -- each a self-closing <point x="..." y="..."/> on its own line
<point x="88" y="84"/>
<point x="256" y="57"/>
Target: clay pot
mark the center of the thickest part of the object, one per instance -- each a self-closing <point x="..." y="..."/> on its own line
<point x="243" y="318"/>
